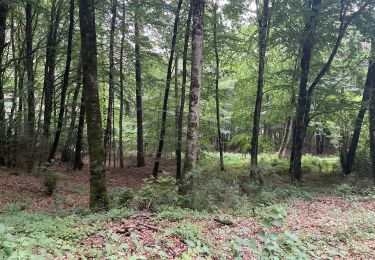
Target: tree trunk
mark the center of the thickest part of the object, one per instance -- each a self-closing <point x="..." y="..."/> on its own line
<point x="78" y="164"/>
<point x="121" y="148"/>
<point x="167" y="88"/>
<point x="286" y="137"/>
<point x="11" y="142"/>
<point x="66" y="153"/>
<point x="217" y="77"/>
<point x="65" y="84"/>
<point x="263" y="29"/>
<point x="348" y="167"/>
<point x="99" y="198"/>
<point x="195" y="86"/>
<point x="3" y="18"/>
<point x="305" y="95"/>
<point x="30" y="87"/>
<point x="372" y="105"/>
<point x="111" y="91"/>
<point x="300" y="125"/>
<point x="183" y="94"/>
<point x="49" y="71"/>
<point x="138" y="82"/>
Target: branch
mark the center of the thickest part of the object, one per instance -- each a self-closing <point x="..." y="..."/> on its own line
<point x="342" y="30"/>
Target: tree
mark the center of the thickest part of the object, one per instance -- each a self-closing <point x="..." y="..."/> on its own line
<point x="217" y="78"/>
<point x="302" y="118"/>
<point x="121" y="148"/>
<point x="195" y="86"/>
<point x="30" y="87"/>
<point x="65" y="83"/>
<point x="78" y="164"/>
<point x="183" y="94"/>
<point x="371" y="82"/>
<point x="263" y="29"/>
<point x="49" y="69"/>
<point x="66" y="152"/>
<point x="111" y="93"/>
<point x="3" y="17"/>
<point x="167" y="88"/>
<point x="98" y="181"/>
<point x="138" y="80"/>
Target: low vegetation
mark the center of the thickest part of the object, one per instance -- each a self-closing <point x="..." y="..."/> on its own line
<point x="224" y="215"/>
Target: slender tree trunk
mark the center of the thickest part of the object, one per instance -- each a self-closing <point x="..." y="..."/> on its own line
<point x="49" y="74"/>
<point x="65" y="84"/>
<point x="286" y="138"/>
<point x="300" y="128"/>
<point x="138" y="81"/>
<point x="99" y="198"/>
<point x="183" y="94"/>
<point x="66" y="153"/>
<point x="371" y="82"/>
<point x="195" y="86"/>
<point x="3" y="18"/>
<point x="176" y="97"/>
<point x="217" y="77"/>
<point x="263" y="29"/>
<point x="110" y="112"/>
<point x="167" y="88"/>
<point x="11" y="144"/>
<point x="78" y="164"/>
<point x="30" y="87"/>
<point x="348" y="167"/>
<point x="121" y="148"/>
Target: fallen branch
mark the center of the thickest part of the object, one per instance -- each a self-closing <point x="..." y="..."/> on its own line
<point x="225" y="222"/>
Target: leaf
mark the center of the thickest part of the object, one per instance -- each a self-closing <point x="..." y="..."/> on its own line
<point x="274" y="236"/>
<point x="262" y="236"/>
<point x="267" y="223"/>
<point x="190" y="243"/>
<point x="279" y="222"/>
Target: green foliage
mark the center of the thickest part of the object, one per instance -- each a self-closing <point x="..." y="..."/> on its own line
<point x="212" y="192"/>
<point x="154" y="193"/>
<point x="122" y="197"/>
<point x="50" y="180"/>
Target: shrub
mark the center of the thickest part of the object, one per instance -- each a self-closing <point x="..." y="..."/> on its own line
<point x="50" y="179"/>
<point x="122" y="197"/>
<point x="212" y="192"/>
<point x="154" y="193"/>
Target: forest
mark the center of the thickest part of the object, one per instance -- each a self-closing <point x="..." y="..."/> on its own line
<point x="196" y="129"/>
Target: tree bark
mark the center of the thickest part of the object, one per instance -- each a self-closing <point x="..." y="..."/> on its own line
<point x="195" y="86"/>
<point x="99" y="198"/>
<point x="348" y="167"/>
<point x="286" y="137"/>
<point x="78" y="164"/>
<point x="299" y="128"/>
<point x="167" y="88"/>
<point x="49" y="71"/>
<point x="217" y="98"/>
<point x="65" y="83"/>
<point x="121" y="148"/>
<point x="183" y="95"/>
<point x="372" y="104"/>
<point x="111" y="91"/>
<point x="305" y="95"/>
<point x="263" y="29"/>
<point x="3" y="17"/>
<point x="30" y="88"/>
<point x="66" y="153"/>
<point x="138" y="82"/>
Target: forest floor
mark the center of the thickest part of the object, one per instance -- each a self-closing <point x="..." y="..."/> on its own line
<point x="324" y="219"/>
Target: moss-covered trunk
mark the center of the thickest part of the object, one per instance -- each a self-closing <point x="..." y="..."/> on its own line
<point x="98" y="179"/>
